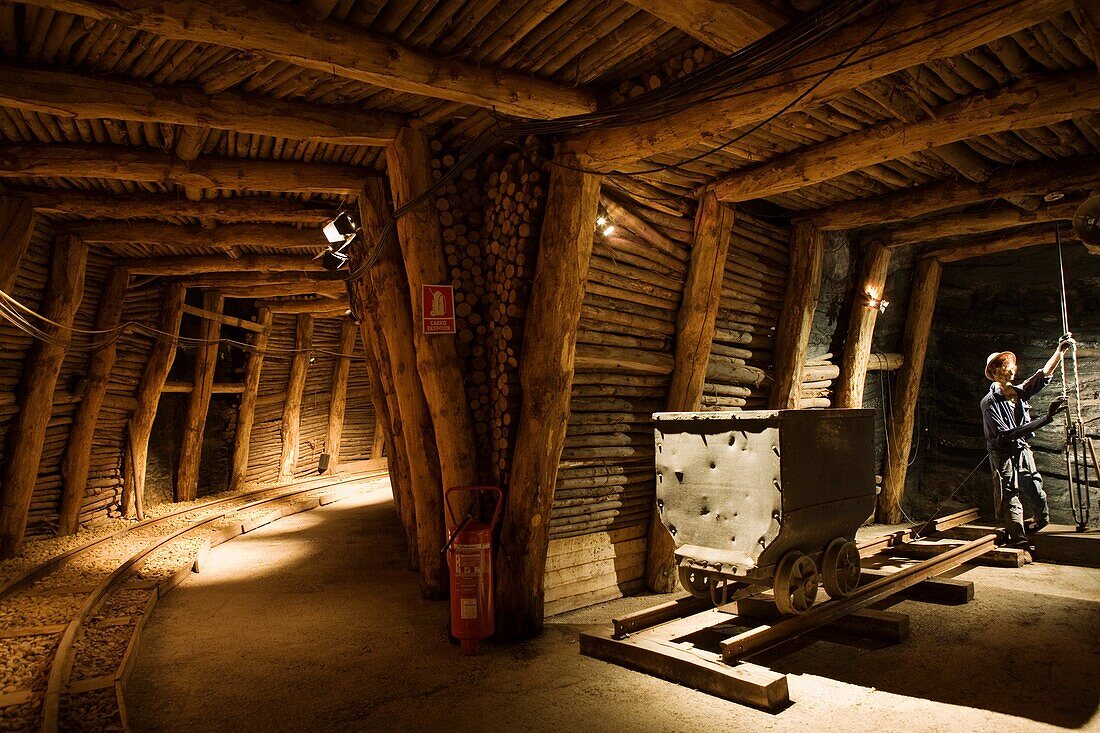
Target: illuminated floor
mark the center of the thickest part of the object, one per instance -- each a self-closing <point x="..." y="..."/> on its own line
<point x="314" y="624"/>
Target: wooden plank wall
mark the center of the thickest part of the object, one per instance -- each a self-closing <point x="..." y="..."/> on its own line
<point x="605" y="481"/>
<point x="359" y="418"/>
<point x="266" y="443"/>
<point x="47" y="491"/>
<point x="317" y="396"/>
<point x="105" y="474"/>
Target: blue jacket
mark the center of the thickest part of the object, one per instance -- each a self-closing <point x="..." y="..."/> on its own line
<point x="1008" y="429"/>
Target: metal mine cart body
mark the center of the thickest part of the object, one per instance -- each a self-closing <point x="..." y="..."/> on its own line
<point x="766" y="498"/>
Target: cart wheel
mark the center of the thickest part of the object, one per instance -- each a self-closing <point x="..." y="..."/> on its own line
<point x="840" y="568"/>
<point x="695" y="582"/>
<point x="795" y="583"/>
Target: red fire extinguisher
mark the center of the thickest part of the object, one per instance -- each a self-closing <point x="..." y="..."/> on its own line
<point x="470" y="559"/>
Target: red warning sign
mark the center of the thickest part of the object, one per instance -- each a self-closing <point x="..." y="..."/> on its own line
<point x="439" y="309"/>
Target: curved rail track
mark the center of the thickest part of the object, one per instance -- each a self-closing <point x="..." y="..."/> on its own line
<point x="69" y="626"/>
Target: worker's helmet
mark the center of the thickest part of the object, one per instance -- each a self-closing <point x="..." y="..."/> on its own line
<point x="994" y="360"/>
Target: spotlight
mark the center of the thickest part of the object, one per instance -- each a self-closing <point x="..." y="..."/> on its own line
<point x="601" y="221"/>
<point x="608" y="230"/>
<point x="1086" y="221"/>
<point x="879" y="304"/>
<point x="340" y="228"/>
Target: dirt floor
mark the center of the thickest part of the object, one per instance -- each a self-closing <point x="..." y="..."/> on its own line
<point x="313" y="623"/>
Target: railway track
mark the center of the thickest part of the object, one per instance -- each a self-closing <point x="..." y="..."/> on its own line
<point x="70" y="625"/>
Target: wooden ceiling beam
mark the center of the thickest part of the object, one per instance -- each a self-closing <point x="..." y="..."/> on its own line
<point x="202" y="265"/>
<point x="332" y="289"/>
<point x="1023" y="180"/>
<point x="912" y="34"/>
<point x="1033" y="102"/>
<point x="81" y="96"/>
<point x="224" y="236"/>
<point x="146" y="166"/>
<point x="92" y="205"/>
<point x="968" y="223"/>
<point x="317" y="306"/>
<point x="1089" y="12"/>
<point x="724" y="26"/>
<point x="993" y="243"/>
<point x="282" y="32"/>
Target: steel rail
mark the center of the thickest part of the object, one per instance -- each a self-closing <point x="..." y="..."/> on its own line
<point x="762" y="637"/>
<point x="61" y="667"/>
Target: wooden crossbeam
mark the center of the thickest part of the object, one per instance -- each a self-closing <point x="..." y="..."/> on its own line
<point x="912" y="34"/>
<point x="175" y="236"/>
<point x="281" y="32"/>
<point x="720" y="24"/>
<point x="16" y="227"/>
<point x="1033" y="102"/>
<point x="1018" y="180"/>
<point x="222" y="318"/>
<point x="125" y="164"/>
<point x="83" y="96"/>
<point x="319" y="307"/>
<point x="1000" y="242"/>
<point x="969" y="223"/>
<point x="92" y="205"/>
<point x="200" y="265"/>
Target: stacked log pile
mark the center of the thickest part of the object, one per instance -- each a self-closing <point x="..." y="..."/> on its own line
<point x="817" y="381"/>
<point x="105" y="475"/>
<point x="676" y="67"/>
<point x="317" y="396"/>
<point x="605" y="482"/>
<point x="490" y="218"/>
<point x="47" y="490"/>
<point x="266" y="445"/>
<point x="739" y="375"/>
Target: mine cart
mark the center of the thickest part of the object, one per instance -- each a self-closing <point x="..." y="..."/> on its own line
<point x="766" y="499"/>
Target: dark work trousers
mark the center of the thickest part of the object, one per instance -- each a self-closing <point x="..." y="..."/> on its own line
<point x="1014" y="473"/>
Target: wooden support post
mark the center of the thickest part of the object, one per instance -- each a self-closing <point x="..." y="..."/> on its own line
<point x="187" y="476"/>
<point x="899" y="428"/>
<point x="78" y="451"/>
<point x="247" y="412"/>
<point x="799" y="303"/>
<point x="27" y="432"/>
<point x="546" y="377"/>
<point x="140" y="426"/>
<point x="339" y="399"/>
<point x="694" y="333"/>
<point x="16" y="226"/>
<point x="409" y="167"/>
<point x="385" y="302"/>
<point x="378" y="444"/>
<point x="861" y="326"/>
<point x="389" y="422"/>
<point x="292" y="407"/>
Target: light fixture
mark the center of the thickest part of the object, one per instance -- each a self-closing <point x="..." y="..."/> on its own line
<point x="340" y="228"/>
<point x="604" y="225"/>
<point x="1086" y="220"/>
<point x="608" y="230"/>
<point x="874" y="303"/>
<point x="340" y="233"/>
<point x="1053" y="196"/>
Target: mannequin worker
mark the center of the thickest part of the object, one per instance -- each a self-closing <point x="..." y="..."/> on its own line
<point x="1006" y="418"/>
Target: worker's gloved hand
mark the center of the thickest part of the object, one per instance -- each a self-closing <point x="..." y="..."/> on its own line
<point x="1056" y="405"/>
<point x="1066" y="342"/>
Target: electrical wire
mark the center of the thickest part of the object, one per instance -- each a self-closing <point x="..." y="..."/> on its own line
<point x="12" y="311"/>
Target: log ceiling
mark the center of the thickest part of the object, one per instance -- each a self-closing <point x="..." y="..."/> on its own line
<point x="159" y="123"/>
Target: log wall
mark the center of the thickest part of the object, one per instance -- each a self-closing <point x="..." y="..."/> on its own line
<point x="739" y="375"/>
<point x="605" y="486"/>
